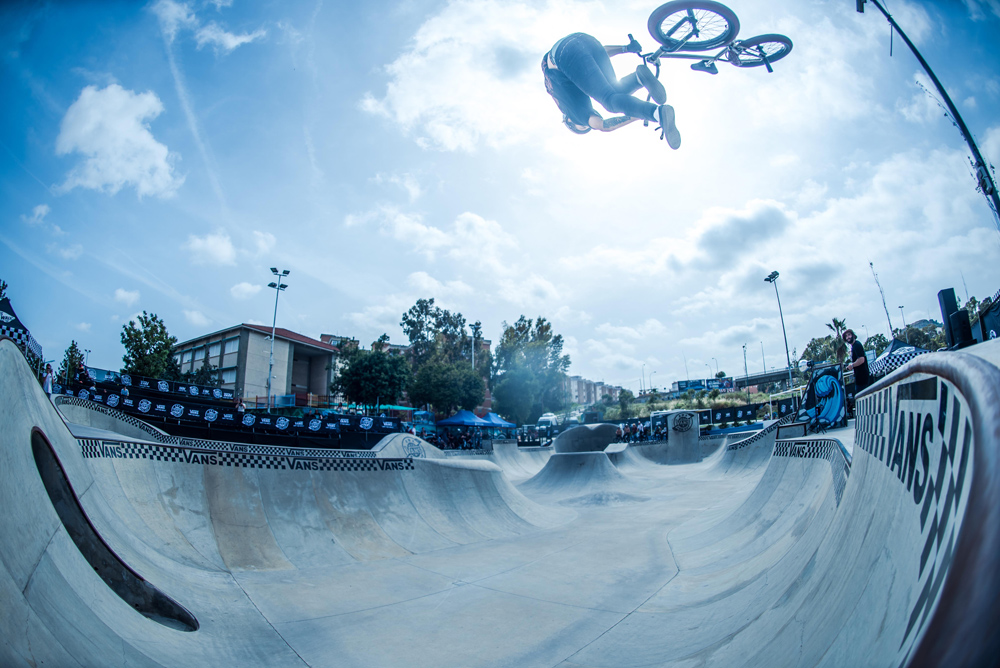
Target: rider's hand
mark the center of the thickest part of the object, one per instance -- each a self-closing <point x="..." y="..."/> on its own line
<point x="633" y="46"/>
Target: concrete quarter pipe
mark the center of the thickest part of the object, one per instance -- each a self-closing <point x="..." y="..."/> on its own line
<point x="873" y="546"/>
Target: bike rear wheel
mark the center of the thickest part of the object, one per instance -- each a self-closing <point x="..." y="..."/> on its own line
<point x="693" y="25"/>
<point x="752" y="52"/>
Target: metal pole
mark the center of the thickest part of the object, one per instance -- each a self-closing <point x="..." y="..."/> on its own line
<point x="773" y="280"/>
<point x="906" y="335"/>
<point x="983" y="176"/>
<point x="270" y="363"/>
<point x="746" y="373"/>
<point x="278" y="287"/>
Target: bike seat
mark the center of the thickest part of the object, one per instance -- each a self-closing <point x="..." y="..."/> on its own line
<point x="705" y="66"/>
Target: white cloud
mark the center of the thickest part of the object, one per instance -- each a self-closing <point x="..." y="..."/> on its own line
<point x="263" y="242"/>
<point x="222" y="40"/>
<point x="211" y="249"/>
<point x="471" y="74"/>
<point x="66" y="252"/>
<point x="651" y="328"/>
<point x="177" y="16"/>
<point x="472" y="238"/>
<point x="425" y="284"/>
<point x="173" y="16"/>
<point x="531" y="292"/>
<point x="83" y="326"/>
<point x="37" y="215"/>
<point x="110" y="126"/>
<point x="407" y="182"/>
<point x="407" y="228"/>
<point x="196" y="318"/>
<point x="244" y="290"/>
<point x="127" y="297"/>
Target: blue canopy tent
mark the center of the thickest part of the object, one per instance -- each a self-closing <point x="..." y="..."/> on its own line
<point x="497" y="421"/>
<point x="464" y="419"/>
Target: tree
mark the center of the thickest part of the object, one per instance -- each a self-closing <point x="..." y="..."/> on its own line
<point x="446" y="371"/>
<point x="720" y="374"/>
<point x="3" y="288"/>
<point x="625" y="401"/>
<point x="207" y="375"/>
<point x="513" y="394"/>
<point x="72" y="359"/>
<point x="149" y="348"/>
<point x="929" y="337"/>
<point x="447" y="385"/>
<point x="819" y="350"/>
<point x="878" y="343"/>
<point x="838" y="344"/>
<point x="371" y="377"/>
<point x="532" y="349"/>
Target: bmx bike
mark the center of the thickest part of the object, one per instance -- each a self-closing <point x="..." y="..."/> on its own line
<point x="685" y="26"/>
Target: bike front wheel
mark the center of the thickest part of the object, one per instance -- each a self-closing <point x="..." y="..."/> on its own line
<point x="755" y="51"/>
<point x="693" y="25"/>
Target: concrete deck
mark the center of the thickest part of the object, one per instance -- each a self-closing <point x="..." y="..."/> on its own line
<point x="833" y="550"/>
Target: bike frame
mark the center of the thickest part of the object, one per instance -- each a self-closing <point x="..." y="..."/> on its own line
<point x="734" y="46"/>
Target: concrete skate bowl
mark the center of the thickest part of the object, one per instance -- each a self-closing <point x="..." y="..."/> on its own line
<point x="520" y="463"/>
<point x="887" y="559"/>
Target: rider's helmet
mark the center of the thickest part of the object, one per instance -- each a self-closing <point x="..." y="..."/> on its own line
<point x="578" y="129"/>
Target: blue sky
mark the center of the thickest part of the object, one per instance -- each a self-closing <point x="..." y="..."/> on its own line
<point x="161" y="157"/>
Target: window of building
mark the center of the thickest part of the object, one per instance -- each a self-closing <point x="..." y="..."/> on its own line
<point x="177" y="358"/>
<point x="214" y="349"/>
<point x="186" y="357"/>
<point x="228" y="376"/>
<point x="199" y="353"/>
<point x="232" y="345"/>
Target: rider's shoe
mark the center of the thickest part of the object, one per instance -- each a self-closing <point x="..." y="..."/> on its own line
<point x="651" y="84"/>
<point x="705" y="66"/>
<point x="668" y="127"/>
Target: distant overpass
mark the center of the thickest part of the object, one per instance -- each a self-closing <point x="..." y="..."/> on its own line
<point x="765" y="378"/>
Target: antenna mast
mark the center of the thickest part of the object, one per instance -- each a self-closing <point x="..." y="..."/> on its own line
<point x="881" y="292"/>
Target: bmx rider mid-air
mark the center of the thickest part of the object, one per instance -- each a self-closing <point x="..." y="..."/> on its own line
<point x="578" y="69"/>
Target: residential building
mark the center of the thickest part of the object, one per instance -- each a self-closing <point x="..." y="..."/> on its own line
<point x="302" y="365"/>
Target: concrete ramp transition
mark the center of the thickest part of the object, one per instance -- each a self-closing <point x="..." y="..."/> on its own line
<point x="874" y="545"/>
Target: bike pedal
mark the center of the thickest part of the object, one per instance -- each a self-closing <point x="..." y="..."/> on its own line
<point x="705" y="66"/>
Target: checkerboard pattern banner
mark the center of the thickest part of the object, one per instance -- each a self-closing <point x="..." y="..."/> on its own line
<point x="820" y="448"/>
<point x="104" y="449"/>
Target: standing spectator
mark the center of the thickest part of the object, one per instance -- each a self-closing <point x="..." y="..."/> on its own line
<point x="241" y="407"/>
<point x="48" y="379"/>
<point x="83" y="378"/>
<point x="859" y="363"/>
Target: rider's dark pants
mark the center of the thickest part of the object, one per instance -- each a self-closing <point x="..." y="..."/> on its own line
<point x="585" y="62"/>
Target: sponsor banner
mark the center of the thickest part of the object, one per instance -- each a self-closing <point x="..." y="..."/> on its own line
<point x="177" y="409"/>
<point x="749" y="411"/>
<point x="126" y="380"/>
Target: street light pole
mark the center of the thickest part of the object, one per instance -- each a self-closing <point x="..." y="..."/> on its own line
<point x="642" y="381"/>
<point x="772" y="278"/>
<point x="746" y="372"/>
<point x="651" y="380"/>
<point x="716" y="367"/>
<point x="278" y="287"/>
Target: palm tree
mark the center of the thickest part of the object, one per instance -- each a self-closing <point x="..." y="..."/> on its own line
<point x="839" y="347"/>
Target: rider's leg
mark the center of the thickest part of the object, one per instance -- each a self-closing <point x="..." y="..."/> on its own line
<point x="585" y="62"/>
